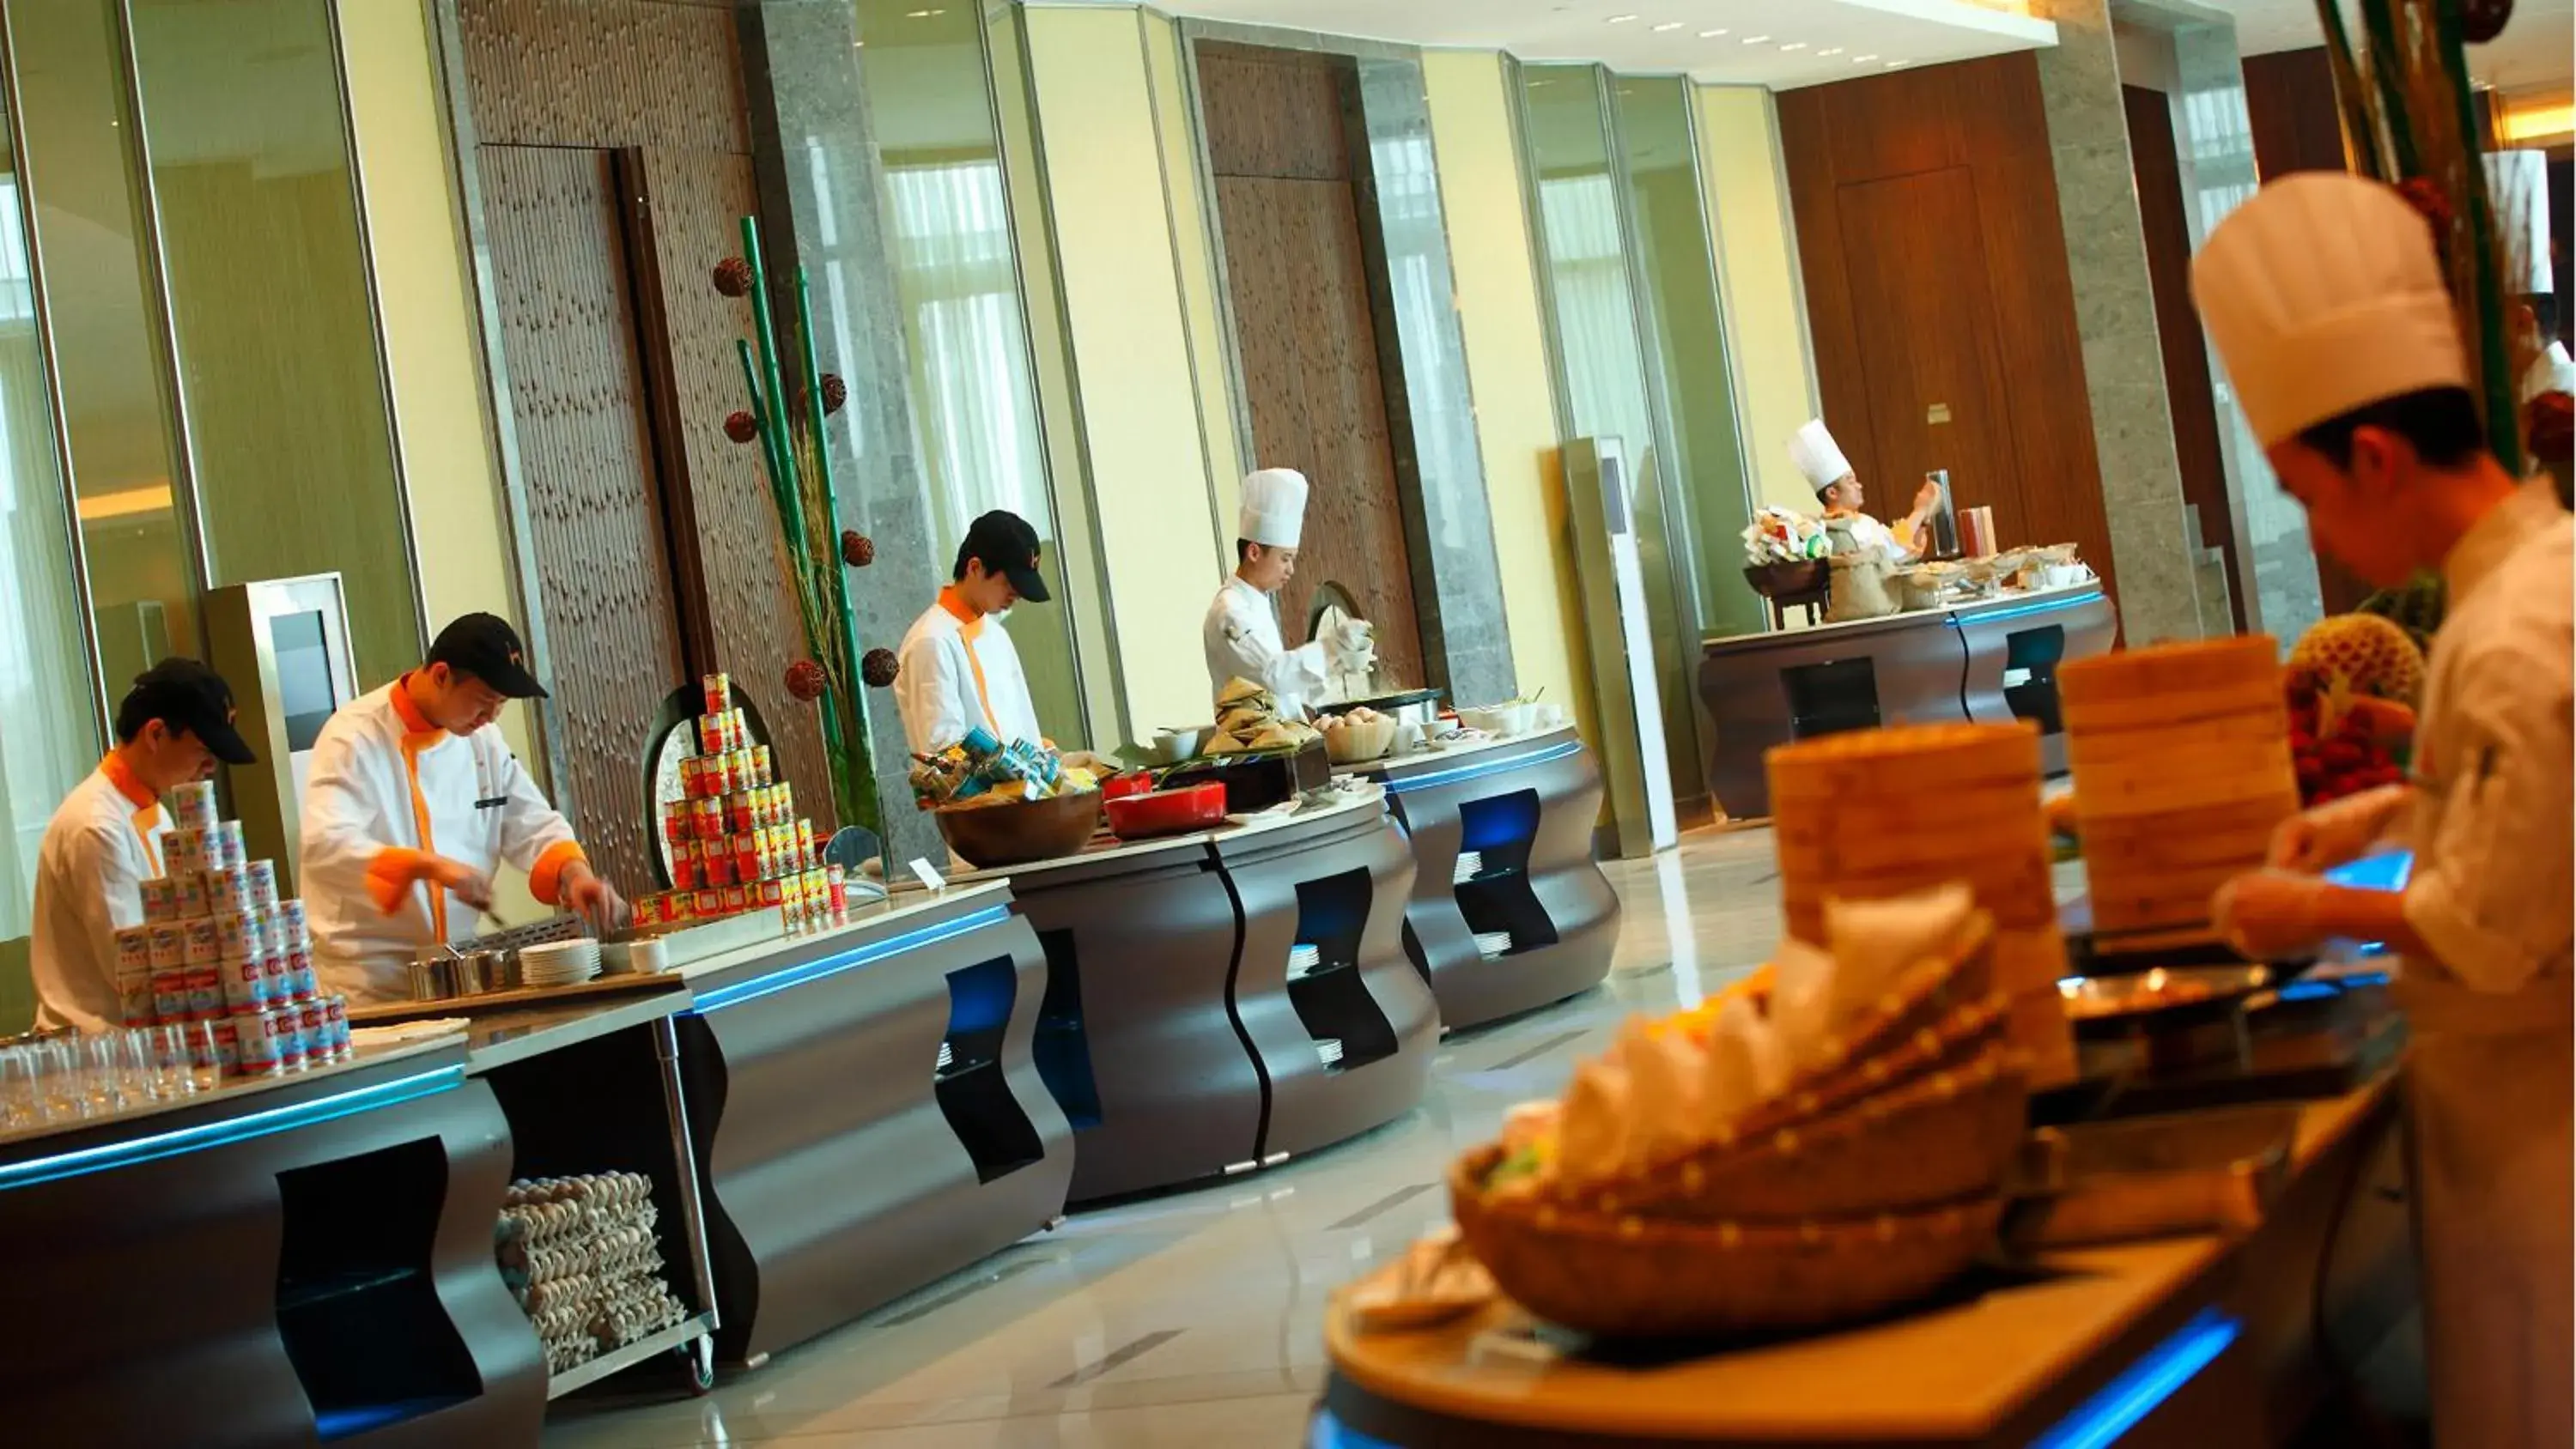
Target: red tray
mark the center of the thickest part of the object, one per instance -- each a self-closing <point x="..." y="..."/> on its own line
<point x="1167" y="812"/>
<point x="1133" y="782"/>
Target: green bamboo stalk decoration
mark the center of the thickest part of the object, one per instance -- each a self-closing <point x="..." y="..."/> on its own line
<point x="830" y="562"/>
<point x="770" y="442"/>
<point x="765" y="331"/>
<point x="2495" y="351"/>
<point x="2386" y="66"/>
<point x="2360" y="127"/>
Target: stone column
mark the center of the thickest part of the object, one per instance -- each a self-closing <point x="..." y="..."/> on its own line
<point x="819" y="187"/>
<point x="2152" y="543"/>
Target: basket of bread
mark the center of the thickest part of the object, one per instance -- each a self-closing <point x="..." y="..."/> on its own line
<point x="1825" y="1143"/>
<point x="1359" y="736"/>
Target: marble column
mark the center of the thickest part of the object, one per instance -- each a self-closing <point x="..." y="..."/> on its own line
<point x="819" y="176"/>
<point x="2153" y="545"/>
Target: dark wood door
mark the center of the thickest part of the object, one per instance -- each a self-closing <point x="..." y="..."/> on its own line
<point x="1929" y="359"/>
<point x="2194" y="407"/>
<point x="586" y="455"/>
<point x="1306" y="331"/>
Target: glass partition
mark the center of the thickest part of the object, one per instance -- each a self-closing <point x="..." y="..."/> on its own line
<point x="948" y="230"/>
<point x="266" y="275"/>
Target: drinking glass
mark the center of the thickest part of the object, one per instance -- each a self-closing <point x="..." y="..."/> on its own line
<point x="205" y="1062"/>
<point x="22" y="1100"/>
<point x="58" y="1066"/>
<point x="103" y="1072"/>
<point x="173" y="1073"/>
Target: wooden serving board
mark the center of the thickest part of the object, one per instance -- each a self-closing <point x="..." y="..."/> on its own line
<point x="511" y="1000"/>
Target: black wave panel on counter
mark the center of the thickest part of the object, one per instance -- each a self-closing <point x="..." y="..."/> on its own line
<point x="1508" y="910"/>
<point x="280" y="1264"/>
<point x="1339" y="886"/>
<point x="1136" y="1040"/>
<point x="845" y="1163"/>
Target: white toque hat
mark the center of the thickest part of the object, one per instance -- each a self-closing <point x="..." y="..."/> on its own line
<point x="1814" y="451"/>
<point x="1274" y="508"/>
<point x="2324" y="294"/>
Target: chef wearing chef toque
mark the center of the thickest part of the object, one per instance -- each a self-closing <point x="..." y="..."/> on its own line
<point x="1241" y="636"/>
<point x="1838" y="488"/>
<point x="414" y="800"/>
<point x="2325" y="296"/>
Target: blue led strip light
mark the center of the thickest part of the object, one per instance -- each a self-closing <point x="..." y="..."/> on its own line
<point x="232" y="1129"/>
<point x="855" y="957"/>
<point x="2127" y="1400"/>
<point x="2021" y="611"/>
<point x="1480" y="770"/>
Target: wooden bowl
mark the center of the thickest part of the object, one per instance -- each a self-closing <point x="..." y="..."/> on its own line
<point x="1629" y="1276"/>
<point x="989" y="837"/>
<point x="1792" y="579"/>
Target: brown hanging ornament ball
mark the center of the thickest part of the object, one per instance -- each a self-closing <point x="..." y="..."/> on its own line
<point x="2549" y="421"/>
<point x="806" y="680"/>
<point x="733" y="277"/>
<point x="835" y="392"/>
<point x="879" y="668"/>
<point x="857" y="549"/>
<point x="2483" y="20"/>
<point x="741" y="426"/>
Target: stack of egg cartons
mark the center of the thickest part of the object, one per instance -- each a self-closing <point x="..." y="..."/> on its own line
<point x="219" y="945"/>
<point x="581" y="1255"/>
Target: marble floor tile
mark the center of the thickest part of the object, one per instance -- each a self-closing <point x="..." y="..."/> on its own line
<point x="1197" y="1318"/>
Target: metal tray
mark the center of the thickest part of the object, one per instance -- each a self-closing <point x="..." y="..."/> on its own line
<point x="2219" y="1170"/>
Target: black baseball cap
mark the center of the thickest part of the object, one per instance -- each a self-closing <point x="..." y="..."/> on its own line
<point x="485" y="646"/>
<point x="1009" y="547"/>
<point x="184" y="694"/>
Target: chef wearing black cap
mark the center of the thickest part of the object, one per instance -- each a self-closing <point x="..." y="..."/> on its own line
<point x="414" y="799"/>
<point x="105" y="841"/>
<point x="959" y="672"/>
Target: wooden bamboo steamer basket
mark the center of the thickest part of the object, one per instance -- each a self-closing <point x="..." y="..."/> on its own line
<point x="1900" y="759"/>
<point x="2029" y="960"/>
<point x="2247" y="661"/>
<point x="2037" y="1026"/>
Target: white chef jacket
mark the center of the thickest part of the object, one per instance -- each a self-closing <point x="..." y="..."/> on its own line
<point x="957" y="674"/>
<point x="1241" y="640"/>
<point x="99" y="848"/>
<point x="2554" y="370"/>
<point x="2488" y="1068"/>
<point x="389" y="792"/>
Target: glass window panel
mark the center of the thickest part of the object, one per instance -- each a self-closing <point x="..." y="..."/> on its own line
<point x="266" y="275"/>
<point x="948" y="231"/>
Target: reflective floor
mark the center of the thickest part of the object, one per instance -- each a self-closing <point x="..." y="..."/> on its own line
<point x="1196" y="1318"/>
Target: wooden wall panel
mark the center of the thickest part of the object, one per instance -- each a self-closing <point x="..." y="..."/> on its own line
<point x="2158" y="169"/>
<point x="604" y="74"/>
<point x="577" y="391"/>
<point x="1997" y="251"/>
<point x="1306" y="332"/>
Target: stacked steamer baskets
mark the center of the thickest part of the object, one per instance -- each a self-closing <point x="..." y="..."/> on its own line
<point x="219" y="946"/>
<point x="2181" y="756"/>
<point x="1887" y="812"/>
<point x="736" y="841"/>
<point x="581" y="1256"/>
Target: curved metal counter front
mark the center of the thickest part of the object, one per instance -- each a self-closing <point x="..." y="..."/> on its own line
<point x="1525" y="809"/>
<point x="1173" y="1035"/>
<point x="279" y="1261"/>
<point x="867" y="1112"/>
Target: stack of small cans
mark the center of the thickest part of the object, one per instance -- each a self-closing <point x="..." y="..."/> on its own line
<point x="732" y="835"/>
<point x="219" y="945"/>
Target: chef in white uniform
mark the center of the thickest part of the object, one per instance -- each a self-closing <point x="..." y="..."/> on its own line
<point x="2325" y="297"/>
<point x="1838" y="488"/>
<point x="958" y="670"/>
<point x="414" y="799"/>
<point x="1240" y="636"/>
<point x="105" y="841"/>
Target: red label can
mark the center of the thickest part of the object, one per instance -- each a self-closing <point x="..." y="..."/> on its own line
<point x="840" y="890"/>
<point x="742" y="810"/>
<point x="686" y="866"/>
<point x="736" y="900"/>
<point x="772" y="893"/>
<point x="706" y="818"/>
<point x="746" y="857"/>
<point x="763" y="767"/>
<point x="805" y="843"/>
<point x="707" y="904"/>
<point x="718" y="691"/>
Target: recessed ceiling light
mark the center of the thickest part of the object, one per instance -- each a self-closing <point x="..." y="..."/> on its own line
<point x="1618" y="19"/>
<point x="1712" y="34"/>
<point x="1795" y="45"/>
<point x="1830" y="50"/>
<point x="1893" y="64"/>
<point x="1757" y="40"/>
<point x="1670" y="25"/>
<point x="1863" y="59"/>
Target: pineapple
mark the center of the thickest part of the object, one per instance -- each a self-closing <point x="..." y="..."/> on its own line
<point x="2370" y="654"/>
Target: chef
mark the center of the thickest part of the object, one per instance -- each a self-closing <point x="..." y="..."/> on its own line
<point x="2325" y="297"/>
<point x="1838" y="488"/>
<point x="105" y="841"/>
<point x="1240" y="636"/>
<point x="414" y="799"/>
<point x="958" y="670"/>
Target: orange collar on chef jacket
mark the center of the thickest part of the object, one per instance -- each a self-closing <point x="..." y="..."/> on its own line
<point x="147" y="806"/>
<point x="419" y="734"/>
<point x="970" y="627"/>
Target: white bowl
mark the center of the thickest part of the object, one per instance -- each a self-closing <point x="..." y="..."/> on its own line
<point x="1501" y="720"/>
<point x="1174" y="746"/>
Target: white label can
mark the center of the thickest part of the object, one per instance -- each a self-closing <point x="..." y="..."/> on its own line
<point x="205" y="941"/>
<point x="262" y="875"/>
<point x="190" y="886"/>
<point x="245" y="984"/>
<point x="255" y="1042"/>
<point x="160" y="899"/>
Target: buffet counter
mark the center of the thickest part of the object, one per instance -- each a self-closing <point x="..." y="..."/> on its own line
<point x="2166" y="1341"/>
<point x="1509" y="911"/>
<point x="1218" y="1001"/>
<point x="1988" y="661"/>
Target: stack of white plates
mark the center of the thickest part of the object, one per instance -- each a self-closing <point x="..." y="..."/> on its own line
<point x="1329" y="1051"/>
<point x="1303" y="959"/>
<point x="1471" y="864"/>
<point x="559" y="963"/>
<point x="1491" y="944"/>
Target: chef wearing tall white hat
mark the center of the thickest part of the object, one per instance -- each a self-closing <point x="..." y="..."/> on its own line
<point x="2326" y="299"/>
<point x="1838" y="488"/>
<point x="1241" y="634"/>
